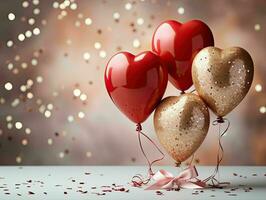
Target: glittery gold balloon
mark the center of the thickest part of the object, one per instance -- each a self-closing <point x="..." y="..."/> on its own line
<point x="222" y="78"/>
<point x="181" y="124"/>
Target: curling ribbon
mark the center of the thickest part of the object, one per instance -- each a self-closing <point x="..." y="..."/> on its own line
<point x="214" y="182"/>
<point x="187" y="178"/>
<point x="138" y="180"/>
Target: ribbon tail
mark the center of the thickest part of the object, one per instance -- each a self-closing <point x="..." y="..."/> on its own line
<point x="153" y="187"/>
<point x="161" y="185"/>
<point x="193" y="185"/>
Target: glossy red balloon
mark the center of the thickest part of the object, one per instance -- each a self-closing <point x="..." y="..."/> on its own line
<point x="177" y="44"/>
<point x="136" y="84"/>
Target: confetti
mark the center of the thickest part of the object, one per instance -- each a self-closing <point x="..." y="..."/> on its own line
<point x="159" y="193"/>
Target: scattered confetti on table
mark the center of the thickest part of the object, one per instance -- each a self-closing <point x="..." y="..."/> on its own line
<point x="52" y="58"/>
<point x="82" y="182"/>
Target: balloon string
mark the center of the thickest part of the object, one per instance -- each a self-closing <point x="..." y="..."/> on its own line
<point x="192" y="90"/>
<point x="214" y="181"/>
<point x="138" y="179"/>
<point x="192" y="158"/>
<point x="183" y="92"/>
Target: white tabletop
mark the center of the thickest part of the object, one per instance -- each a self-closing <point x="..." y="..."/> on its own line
<point x="101" y="182"/>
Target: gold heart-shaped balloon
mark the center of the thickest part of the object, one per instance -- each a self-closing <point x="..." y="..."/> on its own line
<point x="181" y="124"/>
<point x="222" y="78"/>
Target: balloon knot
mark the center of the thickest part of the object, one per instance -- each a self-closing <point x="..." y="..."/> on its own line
<point x="177" y="164"/>
<point x="139" y="127"/>
<point x="150" y="172"/>
<point x="220" y="120"/>
<point x="182" y="92"/>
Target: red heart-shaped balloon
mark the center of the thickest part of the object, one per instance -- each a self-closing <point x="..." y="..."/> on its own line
<point x="136" y="84"/>
<point x="177" y="44"/>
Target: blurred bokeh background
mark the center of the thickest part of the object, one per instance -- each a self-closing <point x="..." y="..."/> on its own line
<point x="54" y="108"/>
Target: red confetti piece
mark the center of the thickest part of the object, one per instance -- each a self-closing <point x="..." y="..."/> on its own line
<point x="159" y="193"/>
<point x="100" y="194"/>
<point x="107" y="190"/>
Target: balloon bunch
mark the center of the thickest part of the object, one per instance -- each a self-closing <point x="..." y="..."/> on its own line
<point x="185" y="54"/>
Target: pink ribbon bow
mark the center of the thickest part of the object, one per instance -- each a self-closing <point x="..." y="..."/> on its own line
<point x="166" y="180"/>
